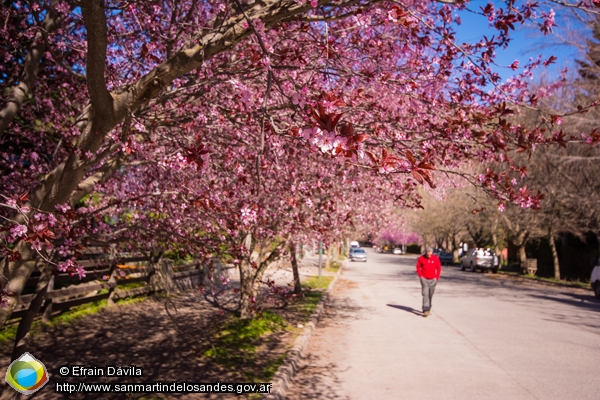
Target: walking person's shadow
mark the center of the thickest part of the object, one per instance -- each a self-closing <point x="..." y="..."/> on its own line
<point x="409" y="309"/>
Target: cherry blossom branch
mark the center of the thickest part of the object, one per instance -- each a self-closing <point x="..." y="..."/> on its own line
<point x="575" y="6"/>
<point x="317" y="18"/>
<point x="263" y="47"/>
<point x="251" y="24"/>
<point x="129" y="200"/>
<point x="88" y="184"/>
<point x="457" y="47"/>
<point x="55" y="56"/>
<point x="31" y="67"/>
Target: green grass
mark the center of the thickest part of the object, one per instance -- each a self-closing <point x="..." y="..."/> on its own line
<point x="334" y="266"/>
<point x="125" y="286"/>
<point x="308" y="304"/>
<point x="95" y="307"/>
<point x="238" y="342"/>
<point x="132" y="285"/>
<point x="77" y="312"/>
<point x="271" y="369"/>
<point x="237" y="345"/>
<point x="317" y="283"/>
<point x="8" y="334"/>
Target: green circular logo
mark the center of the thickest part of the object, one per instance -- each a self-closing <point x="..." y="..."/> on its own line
<point x="26" y="374"/>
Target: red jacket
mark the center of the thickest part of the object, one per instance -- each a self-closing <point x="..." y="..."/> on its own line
<point x="429" y="268"/>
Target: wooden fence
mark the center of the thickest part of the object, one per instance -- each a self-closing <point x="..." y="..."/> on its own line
<point x="104" y="276"/>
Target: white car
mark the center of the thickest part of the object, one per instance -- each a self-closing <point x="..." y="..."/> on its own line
<point x="358" y="255"/>
<point x="480" y="258"/>
<point x="397" y="250"/>
<point x="595" y="280"/>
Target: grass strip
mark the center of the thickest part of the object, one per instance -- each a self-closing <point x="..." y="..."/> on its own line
<point x="316" y="283"/>
<point x="307" y="305"/>
<point x="575" y="284"/>
<point x="132" y="285"/>
<point x="240" y="343"/>
<point x="334" y="266"/>
<point x="237" y="345"/>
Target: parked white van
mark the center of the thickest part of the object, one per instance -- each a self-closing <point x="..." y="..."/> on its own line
<point x="354" y="245"/>
<point x="595" y="280"/>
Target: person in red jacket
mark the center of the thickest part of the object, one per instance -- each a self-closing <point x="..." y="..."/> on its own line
<point x="429" y="269"/>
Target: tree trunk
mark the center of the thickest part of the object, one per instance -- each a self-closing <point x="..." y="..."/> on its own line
<point x="297" y="285"/>
<point x="250" y="280"/>
<point x="251" y="275"/>
<point x="20" y="345"/>
<point x="32" y="312"/>
<point x="47" y="307"/>
<point x="248" y="290"/>
<point x="522" y="257"/>
<point x="455" y="249"/>
<point x="520" y="242"/>
<point x="18" y="273"/>
<point x="336" y="250"/>
<point x="555" y="261"/>
<point x="247" y="293"/>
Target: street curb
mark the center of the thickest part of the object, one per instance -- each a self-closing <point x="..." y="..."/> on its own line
<point x="286" y="371"/>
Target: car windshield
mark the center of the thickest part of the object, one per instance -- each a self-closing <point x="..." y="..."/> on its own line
<point x="359" y="251"/>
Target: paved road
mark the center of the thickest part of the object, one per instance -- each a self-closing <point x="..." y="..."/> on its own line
<point x="488" y="337"/>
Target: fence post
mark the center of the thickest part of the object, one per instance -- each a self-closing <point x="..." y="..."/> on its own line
<point x="212" y="272"/>
<point x="112" y="280"/>
<point x="166" y="271"/>
<point x="47" y="308"/>
<point x="200" y="278"/>
<point x="161" y="277"/>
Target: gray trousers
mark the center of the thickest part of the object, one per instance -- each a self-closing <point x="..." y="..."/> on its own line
<point x="427" y="287"/>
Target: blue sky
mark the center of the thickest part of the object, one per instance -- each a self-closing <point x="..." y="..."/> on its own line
<point x="527" y="41"/>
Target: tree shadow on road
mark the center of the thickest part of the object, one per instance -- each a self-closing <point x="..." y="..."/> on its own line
<point x="409" y="309"/>
<point x="590" y="300"/>
<point x="585" y="302"/>
<point x="314" y="380"/>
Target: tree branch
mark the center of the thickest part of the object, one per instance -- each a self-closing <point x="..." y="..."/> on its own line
<point x="95" y="22"/>
<point x="31" y="67"/>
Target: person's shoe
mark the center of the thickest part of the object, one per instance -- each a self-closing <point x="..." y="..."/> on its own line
<point x="426" y="313"/>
